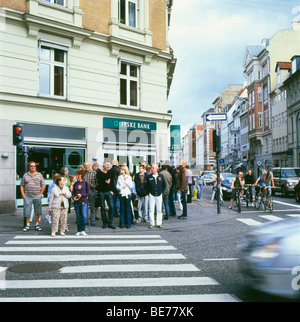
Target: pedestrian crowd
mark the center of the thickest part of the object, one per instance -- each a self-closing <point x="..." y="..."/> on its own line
<point x="151" y="191"/>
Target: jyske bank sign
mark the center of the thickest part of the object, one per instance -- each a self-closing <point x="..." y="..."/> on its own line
<point x="125" y="124"/>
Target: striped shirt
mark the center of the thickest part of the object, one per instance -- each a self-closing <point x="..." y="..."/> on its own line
<point x="32" y="184"/>
<point x="90" y="177"/>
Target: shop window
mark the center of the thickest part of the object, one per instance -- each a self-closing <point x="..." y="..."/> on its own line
<point x="129" y="84"/>
<point x="50" y="160"/>
<point x="52" y="70"/>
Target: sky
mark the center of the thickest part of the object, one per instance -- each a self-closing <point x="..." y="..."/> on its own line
<point x="209" y="39"/>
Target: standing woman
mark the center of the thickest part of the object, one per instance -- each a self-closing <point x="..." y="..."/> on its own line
<point x="58" y="205"/>
<point x="124" y="184"/>
<point x="80" y="195"/>
<point x="64" y="172"/>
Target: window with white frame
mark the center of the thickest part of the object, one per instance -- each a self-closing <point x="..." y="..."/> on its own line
<point x="129" y="84"/>
<point x="60" y="2"/>
<point x="52" y="70"/>
<point x="128" y="12"/>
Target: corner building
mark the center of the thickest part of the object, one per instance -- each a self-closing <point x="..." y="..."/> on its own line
<point x="88" y="79"/>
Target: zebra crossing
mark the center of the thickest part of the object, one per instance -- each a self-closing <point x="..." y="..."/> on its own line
<point x="254" y="222"/>
<point x="97" y="269"/>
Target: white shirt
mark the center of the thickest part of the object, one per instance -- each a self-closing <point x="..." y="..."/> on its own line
<point x="124" y="185"/>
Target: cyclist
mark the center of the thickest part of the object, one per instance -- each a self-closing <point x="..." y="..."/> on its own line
<point x="266" y="180"/>
<point x="249" y="180"/>
<point x="237" y="182"/>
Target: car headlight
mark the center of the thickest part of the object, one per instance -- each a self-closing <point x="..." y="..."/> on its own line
<point x="267" y="251"/>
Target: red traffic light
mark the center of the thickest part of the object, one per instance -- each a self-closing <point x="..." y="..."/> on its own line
<point x="18" y="130"/>
<point x="18" y="135"/>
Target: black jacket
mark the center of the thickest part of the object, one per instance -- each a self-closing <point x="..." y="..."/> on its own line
<point x="139" y="186"/>
<point x="155" y="186"/>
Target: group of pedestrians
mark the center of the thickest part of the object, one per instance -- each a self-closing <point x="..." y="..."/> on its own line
<point x="111" y="188"/>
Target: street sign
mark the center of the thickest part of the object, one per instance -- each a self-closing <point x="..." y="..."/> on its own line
<point x="216" y="117"/>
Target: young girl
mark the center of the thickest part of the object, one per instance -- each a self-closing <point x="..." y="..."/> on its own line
<point x="80" y="194"/>
<point x="58" y="205"/>
<point x="124" y="185"/>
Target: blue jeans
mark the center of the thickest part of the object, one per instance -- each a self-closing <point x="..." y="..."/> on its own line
<point x="125" y="212"/>
<point x="171" y="202"/>
<point x="110" y="202"/>
<point x="81" y="216"/>
<point x="167" y="205"/>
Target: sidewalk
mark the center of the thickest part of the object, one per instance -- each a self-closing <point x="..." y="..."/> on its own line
<point x="199" y="213"/>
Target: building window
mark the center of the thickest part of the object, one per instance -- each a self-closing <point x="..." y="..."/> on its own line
<point x="129" y="84"/>
<point x="298" y="129"/>
<point x="260" y="120"/>
<point x="266" y="118"/>
<point x="60" y="2"/>
<point x="52" y="70"/>
<point x="128" y="12"/>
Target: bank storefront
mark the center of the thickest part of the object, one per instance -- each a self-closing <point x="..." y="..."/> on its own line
<point x="129" y="141"/>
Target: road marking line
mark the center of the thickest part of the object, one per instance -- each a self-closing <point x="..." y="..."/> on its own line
<point x="249" y="222"/>
<point x="293" y="215"/>
<point x="78" y="241"/>
<point x="286" y="204"/>
<point x="193" y="298"/>
<point x="270" y="217"/>
<point x="90" y="237"/>
<point x="114" y="282"/>
<point x="220" y="259"/>
<point x="130" y="268"/>
<point x="87" y="249"/>
<point x="71" y="258"/>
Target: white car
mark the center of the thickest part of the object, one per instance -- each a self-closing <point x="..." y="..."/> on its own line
<point x="270" y="258"/>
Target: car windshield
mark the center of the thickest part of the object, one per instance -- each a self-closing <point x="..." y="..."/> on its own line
<point x="289" y="173"/>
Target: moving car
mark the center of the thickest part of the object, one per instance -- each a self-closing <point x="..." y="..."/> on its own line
<point x="270" y="258"/>
<point x="285" y="180"/>
<point x="297" y="191"/>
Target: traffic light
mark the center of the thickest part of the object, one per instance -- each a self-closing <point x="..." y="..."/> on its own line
<point x="18" y="134"/>
<point x="216" y="141"/>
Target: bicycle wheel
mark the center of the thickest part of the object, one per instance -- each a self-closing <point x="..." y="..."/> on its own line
<point x="238" y="203"/>
<point x="271" y="205"/>
<point x="258" y="202"/>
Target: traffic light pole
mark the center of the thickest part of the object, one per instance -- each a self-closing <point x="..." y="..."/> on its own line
<point x="218" y="185"/>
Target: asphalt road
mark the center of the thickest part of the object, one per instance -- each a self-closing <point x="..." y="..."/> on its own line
<point x="189" y="263"/>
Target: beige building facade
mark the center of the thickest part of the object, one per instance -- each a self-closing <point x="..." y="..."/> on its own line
<point x="89" y="80"/>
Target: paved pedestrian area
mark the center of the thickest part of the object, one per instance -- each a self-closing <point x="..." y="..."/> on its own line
<point x="199" y="213"/>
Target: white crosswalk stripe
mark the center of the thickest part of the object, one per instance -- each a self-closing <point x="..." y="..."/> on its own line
<point x="137" y="254"/>
<point x="253" y="222"/>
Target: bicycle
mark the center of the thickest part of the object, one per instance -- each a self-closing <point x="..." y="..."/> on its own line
<point x="259" y="198"/>
<point x="237" y="197"/>
<point x="268" y="203"/>
<point x="247" y="194"/>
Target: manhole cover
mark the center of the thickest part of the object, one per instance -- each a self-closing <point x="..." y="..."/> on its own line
<point x="35" y="268"/>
